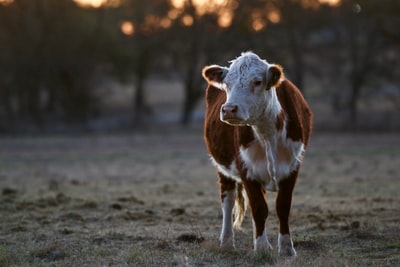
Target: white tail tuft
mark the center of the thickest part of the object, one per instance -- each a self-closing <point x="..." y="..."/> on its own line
<point x="239" y="210"/>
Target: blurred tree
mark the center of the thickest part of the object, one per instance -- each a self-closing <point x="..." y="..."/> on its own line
<point x="364" y="46"/>
<point x="146" y="43"/>
<point x="293" y="20"/>
<point x="279" y="30"/>
<point x="50" y="52"/>
<point x="194" y="43"/>
<point x="389" y="19"/>
<point x="300" y="21"/>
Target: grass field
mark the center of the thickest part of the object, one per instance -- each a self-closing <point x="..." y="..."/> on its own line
<point x="151" y="199"/>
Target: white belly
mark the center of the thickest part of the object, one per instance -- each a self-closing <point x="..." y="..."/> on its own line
<point x="276" y="162"/>
<point x="231" y="171"/>
<point x="263" y="165"/>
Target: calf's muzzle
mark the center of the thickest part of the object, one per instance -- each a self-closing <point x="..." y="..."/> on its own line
<point x="229" y="112"/>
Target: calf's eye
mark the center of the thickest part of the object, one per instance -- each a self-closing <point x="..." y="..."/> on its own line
<point x="257" y="83"/>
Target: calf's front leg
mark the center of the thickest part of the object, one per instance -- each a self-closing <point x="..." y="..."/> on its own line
<point x="259" y="211"/>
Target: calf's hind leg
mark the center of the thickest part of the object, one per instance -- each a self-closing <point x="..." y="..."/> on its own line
<point x="228" y="193"/>
<point x="283" y="205"/>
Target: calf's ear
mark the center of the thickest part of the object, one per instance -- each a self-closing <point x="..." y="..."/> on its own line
<point x="274" y="76"/>
<point x="214" y="74"/>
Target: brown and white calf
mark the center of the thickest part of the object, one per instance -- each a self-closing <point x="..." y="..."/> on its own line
<point x="257" y="126"/>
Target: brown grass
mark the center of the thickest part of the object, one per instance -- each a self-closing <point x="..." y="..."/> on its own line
<point x="151" y="199"/>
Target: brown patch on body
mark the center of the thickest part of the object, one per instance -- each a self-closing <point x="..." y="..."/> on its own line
<point x="298" y="114"/>
<point x="283" y="153"/>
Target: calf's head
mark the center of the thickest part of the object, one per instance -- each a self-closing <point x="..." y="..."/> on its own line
<point x="247" y="82"/>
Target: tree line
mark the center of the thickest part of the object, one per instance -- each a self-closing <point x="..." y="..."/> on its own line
<point x="51" y="51"/>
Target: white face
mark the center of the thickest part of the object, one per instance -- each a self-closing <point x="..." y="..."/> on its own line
<point x="245" y="85"/>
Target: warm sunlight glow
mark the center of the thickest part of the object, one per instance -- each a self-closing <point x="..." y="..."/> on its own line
<point x="91" y="3"/>
<point x="257" y="21"/>
<point x="165" y="23"/>
<point x="97" y="3"/>
<point x="274" y="16"/>
<point x="225" y="19"/>
<point x="187" y="20"/>
<point x="173" y="13"/>
<point x="316" y="4"/>
<point x="178" y="3"/>
<point x="222" y="8"/>
<point x="330" y="2"/>
<point x="150" y="24"/>
<point x="127" y="28"/>
<point x="204" y="6"/>
<point x="6" y="2"/>
<point x="225" y="11"/>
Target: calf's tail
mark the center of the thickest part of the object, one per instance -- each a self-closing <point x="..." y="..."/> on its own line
<point x="239" y="210"/>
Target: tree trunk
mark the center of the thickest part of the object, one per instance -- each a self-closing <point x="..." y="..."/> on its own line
<point x="360" y="55"/>
<point x="140" y="106"/>
<point x="192" y="92"/>
<point x="298" y="64"/>
<point x="192" y="95"/>
<point x="294" y="44"/>
<point x="353" y="100"/>
<point x="139" y="100"/>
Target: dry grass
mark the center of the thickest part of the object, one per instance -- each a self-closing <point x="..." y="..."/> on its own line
<point x="151" y="199"/>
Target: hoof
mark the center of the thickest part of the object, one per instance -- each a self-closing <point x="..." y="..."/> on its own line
<point x="285" y="246"/>
<point x="227" y="244"/>
<point x="288" y="251"/>
<point x="262" y="246"/>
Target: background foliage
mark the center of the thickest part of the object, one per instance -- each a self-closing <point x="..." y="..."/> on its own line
<point x="52" y="53"/>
